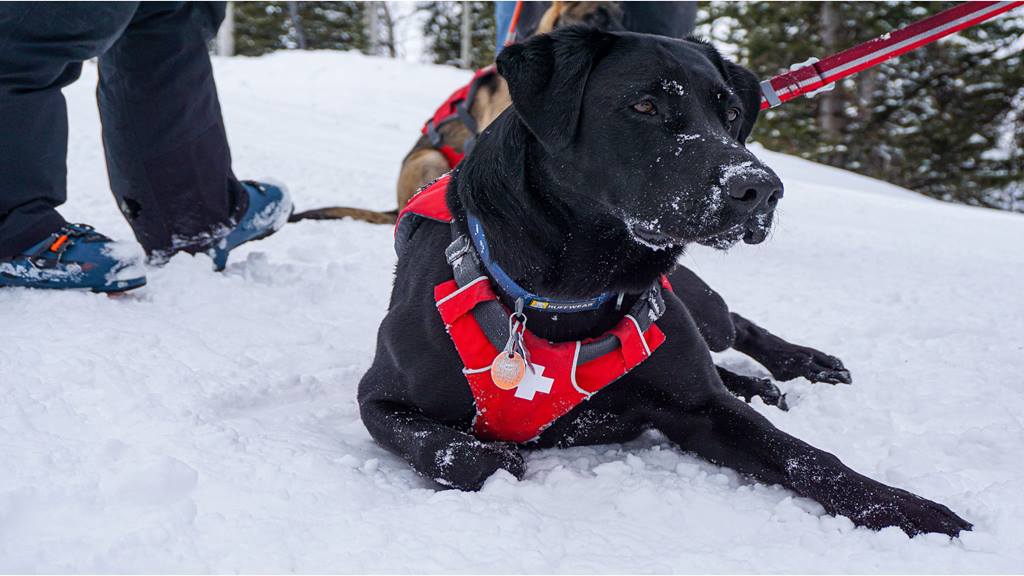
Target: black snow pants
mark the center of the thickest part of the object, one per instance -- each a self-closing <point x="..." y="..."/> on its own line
<point x="167" y="153"/>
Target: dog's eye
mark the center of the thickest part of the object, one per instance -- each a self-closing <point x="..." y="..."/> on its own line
<point x="732" y="115"/>
<point x="645" y="107"/>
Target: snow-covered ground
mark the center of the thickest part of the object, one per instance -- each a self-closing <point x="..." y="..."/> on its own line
<point x="209" y="423"/>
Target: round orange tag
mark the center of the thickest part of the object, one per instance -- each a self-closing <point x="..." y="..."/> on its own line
<point x="507" y="370"/>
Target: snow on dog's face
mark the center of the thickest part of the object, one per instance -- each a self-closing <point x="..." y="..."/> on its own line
<point x="649" y="129"/>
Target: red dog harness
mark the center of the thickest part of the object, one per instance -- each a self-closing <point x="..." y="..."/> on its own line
<point x="457" y="108"/>
<point x="563" y="374"/>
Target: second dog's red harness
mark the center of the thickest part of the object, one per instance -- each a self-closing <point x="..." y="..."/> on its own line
<point x="564" y="374"/>
<point x="457" y="108"/>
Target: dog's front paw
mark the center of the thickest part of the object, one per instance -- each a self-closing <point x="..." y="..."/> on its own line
<point x="747" y="387"/>
<point x="467" y="465"/>
<point x="763" y="388"/>
<point x="888" y="506"/>
<point x="804" y="362"/>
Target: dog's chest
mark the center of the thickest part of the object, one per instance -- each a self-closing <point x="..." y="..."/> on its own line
<point x="559" y="375"/>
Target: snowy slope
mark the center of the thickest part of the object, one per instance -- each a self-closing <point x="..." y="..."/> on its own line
<point x="209" y="423"/>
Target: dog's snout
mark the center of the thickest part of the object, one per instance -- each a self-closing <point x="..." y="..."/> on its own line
<point x="755" y="190"/>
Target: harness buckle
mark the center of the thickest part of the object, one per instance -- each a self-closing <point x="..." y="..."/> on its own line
<point x="457" y="250"/>
<point x="655" y="302"/>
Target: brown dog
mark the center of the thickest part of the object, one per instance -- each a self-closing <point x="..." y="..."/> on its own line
<point x="425" y="163"/>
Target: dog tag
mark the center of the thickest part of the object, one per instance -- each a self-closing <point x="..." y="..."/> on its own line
<point x="508" y="369"/>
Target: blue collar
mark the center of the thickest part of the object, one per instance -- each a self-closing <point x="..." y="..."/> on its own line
<point x="517" y="292"/>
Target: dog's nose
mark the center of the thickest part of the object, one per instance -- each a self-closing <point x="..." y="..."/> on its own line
<point x="757" y="190"/>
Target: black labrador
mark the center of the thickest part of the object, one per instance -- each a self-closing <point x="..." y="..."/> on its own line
<point x="619" y="151"/>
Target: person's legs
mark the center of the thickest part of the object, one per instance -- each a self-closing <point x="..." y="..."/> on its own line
<point x="42" y="46"/>
<point x="167" y="152"/>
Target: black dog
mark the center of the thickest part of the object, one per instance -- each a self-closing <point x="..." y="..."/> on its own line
<point x="594" y="183"/>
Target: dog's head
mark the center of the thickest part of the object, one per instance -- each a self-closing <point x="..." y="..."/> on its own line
<point x="645" y="132"/>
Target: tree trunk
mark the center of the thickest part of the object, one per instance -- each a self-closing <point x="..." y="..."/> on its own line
<point x="467" y="30"/>
<point x="300" y="32"/>
<point x="389" y="30"/>
<point x="830" y="103"/>
<point x="372" y="26"/>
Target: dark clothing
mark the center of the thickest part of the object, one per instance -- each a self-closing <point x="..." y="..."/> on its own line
<point x="672" y="19"/>
<point x="167" y="153"/>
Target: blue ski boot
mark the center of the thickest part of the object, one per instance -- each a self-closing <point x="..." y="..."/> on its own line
<point x="76" y="257"/>
<point x="268" y="209"/>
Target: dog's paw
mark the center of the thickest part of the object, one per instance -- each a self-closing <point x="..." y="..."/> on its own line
<point x="889" y="506"/>
<point x="767" y="391"/>
<point x="747" y="387"/>
<point x="804" y="362"/>
<point x="467" y="465"/>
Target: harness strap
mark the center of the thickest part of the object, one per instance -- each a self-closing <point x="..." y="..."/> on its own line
<point x="467" y="119"/>
<point x="492" y="317"/>
<point x="462" y="108"/>
<point x="467" y="268"/>
<point x="436" y="140"/>
<point x="457" y="107"/>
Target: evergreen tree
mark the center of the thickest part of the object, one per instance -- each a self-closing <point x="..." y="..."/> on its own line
<point x="334" y="25"/>
<point x="443" y="32"/>
<point x="943" y="120"/>
<point x="262" y="27"/>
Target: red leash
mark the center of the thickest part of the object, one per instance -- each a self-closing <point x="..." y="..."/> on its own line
<point x="809" y="78"/>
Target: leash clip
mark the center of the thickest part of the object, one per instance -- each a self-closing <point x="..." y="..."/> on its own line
<point x="516" y="328"/>
<point x="509" y="366"/>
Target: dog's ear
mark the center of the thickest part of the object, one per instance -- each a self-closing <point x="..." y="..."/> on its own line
<point x="745" y="84"/>
<point x="546" y="77"/>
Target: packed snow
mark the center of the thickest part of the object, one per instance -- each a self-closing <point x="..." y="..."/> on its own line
<point x="209" y="422"/>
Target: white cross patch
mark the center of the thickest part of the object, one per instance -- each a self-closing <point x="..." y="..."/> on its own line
<point x="534" y="382"/>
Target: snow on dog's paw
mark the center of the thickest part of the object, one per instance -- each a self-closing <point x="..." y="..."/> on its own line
<point x="467" y="465"/>
<point x="892" y="507"/>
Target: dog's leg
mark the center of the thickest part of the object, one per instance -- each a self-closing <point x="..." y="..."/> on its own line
<point x="729" y="433"/>
<point x="723" y="329"/>
<point x="443" y="454"/>
<point x="786" y="360"/>
<point x="747" y="387"/>
<point x="708" y="309"/>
